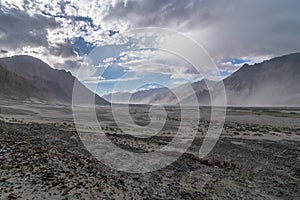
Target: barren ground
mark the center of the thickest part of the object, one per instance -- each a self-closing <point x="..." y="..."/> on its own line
<point x="42" y="157"/>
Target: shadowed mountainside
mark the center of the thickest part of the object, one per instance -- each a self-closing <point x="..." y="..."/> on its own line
<point x="272" y="82"/>
<point x="28" y="78"/>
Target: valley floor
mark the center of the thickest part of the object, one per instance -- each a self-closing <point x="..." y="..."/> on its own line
<point x="256" y="157"/>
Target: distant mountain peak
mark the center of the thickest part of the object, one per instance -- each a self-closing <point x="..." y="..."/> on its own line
<point x="149" y="86"/>
<point x="272" y="82"/>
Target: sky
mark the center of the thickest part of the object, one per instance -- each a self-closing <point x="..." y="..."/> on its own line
<point x="93" y="38"/>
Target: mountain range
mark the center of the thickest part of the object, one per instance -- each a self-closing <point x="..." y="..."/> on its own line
<point x="272" y="82"/>
<point x="161" y="95"/>
<point x="28" y="78"/>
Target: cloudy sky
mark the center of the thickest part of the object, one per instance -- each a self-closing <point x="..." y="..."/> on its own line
<point x="90" y="38"/>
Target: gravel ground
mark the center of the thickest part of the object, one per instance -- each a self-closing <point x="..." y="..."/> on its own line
<point x="250" y="161"/>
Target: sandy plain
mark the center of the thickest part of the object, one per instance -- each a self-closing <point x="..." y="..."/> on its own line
<point x="42" y="156"/>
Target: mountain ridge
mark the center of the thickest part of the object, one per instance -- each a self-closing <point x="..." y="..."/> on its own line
<point x="43" y="83"/>
<point x="272" y="82"/>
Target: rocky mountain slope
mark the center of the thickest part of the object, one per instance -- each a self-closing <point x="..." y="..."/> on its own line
<point x="28" y="78"/>
<point x="273" y="82"/>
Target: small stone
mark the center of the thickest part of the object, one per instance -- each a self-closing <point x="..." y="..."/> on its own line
<point x="12" y="196"/>
<point x="73" y="138"/>
<point x="236" y="133"/>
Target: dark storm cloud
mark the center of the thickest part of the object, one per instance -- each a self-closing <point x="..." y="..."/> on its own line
<point x="64" y="50"/>
<point x="167" y="12"/>
<point x="19" y="29"/>
<point x="224" y="27"/>
<point x="3" y="51"/>
<point x="257" y="27"/>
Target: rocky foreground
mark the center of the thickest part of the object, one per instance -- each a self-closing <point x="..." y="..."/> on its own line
<point x="48" y="161"/>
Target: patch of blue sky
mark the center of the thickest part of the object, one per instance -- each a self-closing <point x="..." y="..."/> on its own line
<point x="163" y="80"/>
<point x="112" y="33"/>
<point x="237" y="61"/>
<point x="101" y="53"/>
<point x="63" y="5"/>
<point x="113" y="71"/>
<point x="82" y="47"/>
<point x="89" y="21"/>
<point x="225" y="74"/>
